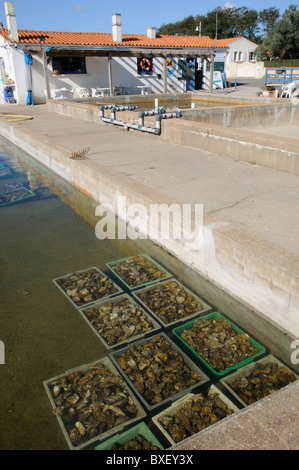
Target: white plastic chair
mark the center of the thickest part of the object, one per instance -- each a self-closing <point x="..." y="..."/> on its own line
<point x="95" y="92"/>
<point x="287" y="90"/>
<point x="295" y="97"/>
<point x="120" y="90"/>
<point x="82" y="92"/>
<point x="61" y="93"/>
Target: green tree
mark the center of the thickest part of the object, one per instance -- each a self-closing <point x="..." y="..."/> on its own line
<point x="268" y="19"/>
<point x="185" y="27"/>
<point x="220" y="23"/>
<point x="285" y="40"/>
<point x="264" y="50"/>
<point x="248" y="22"/>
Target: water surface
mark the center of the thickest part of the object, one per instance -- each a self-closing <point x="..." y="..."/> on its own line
<point x="46" y="236"/>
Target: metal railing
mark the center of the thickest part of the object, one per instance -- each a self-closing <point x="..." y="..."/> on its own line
<point x="281" y="75"/>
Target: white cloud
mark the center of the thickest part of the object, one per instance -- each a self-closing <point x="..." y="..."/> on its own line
<point x="229" y="5"/>
<point x="79" y="9"/>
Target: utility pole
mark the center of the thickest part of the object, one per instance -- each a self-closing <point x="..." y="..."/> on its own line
<point x="45" y="68"/>
<point x="198" y="28"/>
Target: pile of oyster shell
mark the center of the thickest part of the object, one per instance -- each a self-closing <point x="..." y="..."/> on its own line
<point x="263" y="379"/>
<point x="91" y="402"/>
<point x="216" y="341"/>
<point x="194" y="415"/>
<point x="170" y="301"/>
<point x="118" y="320"/>
<point x="138" y="270"/>
<point x="138" y="443"/>
<point x="156" y="369"/>
<point x="87" y="286"/>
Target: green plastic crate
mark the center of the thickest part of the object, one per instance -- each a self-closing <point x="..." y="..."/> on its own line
<point x="141" y="414"/>
<point x="179" y="330"/>
<point x="122" y="438"/>
<point x="131" y="288"/>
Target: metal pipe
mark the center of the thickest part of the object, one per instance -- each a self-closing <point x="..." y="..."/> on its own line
<point x="161" y="114"/>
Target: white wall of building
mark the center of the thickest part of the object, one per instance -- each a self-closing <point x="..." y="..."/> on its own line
<point x="246" y="70"/>
<point x="96" y="75"/>
<point x="124" y="71"/>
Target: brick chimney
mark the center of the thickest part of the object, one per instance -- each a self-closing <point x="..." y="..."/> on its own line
<point x="116" y="27"/>
<point x="11" y="21"/>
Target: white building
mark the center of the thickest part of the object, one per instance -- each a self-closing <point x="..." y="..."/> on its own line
<point x="113" y="62"/>
<point x="240" y="58"/>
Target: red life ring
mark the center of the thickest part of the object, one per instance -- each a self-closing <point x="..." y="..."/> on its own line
<point x="143" y="65"/>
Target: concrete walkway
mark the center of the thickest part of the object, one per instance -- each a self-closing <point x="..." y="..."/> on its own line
<point x="260" y="200"/>
<point x="259" y="207"/>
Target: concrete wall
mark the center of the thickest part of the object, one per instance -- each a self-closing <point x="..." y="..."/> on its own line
<point x="264" y="150"/>
<point x="247" y="116"/>
<point x="245" y="70"/>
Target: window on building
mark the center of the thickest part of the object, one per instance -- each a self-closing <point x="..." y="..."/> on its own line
<point x="240" y="56"/>
<point x="251" y="56"/>
<point x="68" y="65"/>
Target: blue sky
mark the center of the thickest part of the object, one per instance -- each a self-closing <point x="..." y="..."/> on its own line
<point x="137" y="15"/>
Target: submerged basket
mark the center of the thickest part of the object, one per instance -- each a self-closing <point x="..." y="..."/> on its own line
<point x="116" y="288"/>
<point x="140" y="429"/>
<point x="108" y="364"/>
<point x="111" y="264"/>
<point x="179" y="330"/>
<point x="187" y="361"/>
<point x="122" y="342"/>
<point x="23" y="195"/>
<point x="205" y="307"/>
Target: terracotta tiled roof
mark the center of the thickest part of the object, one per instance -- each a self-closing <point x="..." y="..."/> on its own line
<point x="226" y="42"/>
<point x="105" y="39"/>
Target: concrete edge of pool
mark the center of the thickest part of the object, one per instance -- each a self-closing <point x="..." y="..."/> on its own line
<point x="227" y="128"/>
<point x="231" y="251"/>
